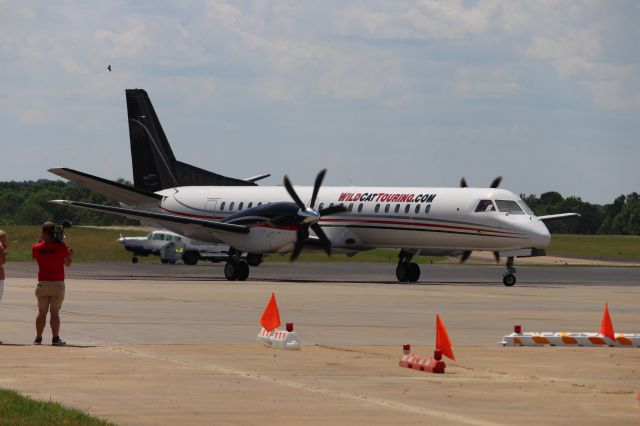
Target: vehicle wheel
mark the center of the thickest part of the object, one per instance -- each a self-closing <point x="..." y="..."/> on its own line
<point x="243" y="271"/>
<point x="134" y="259"/>
<point x="401" y="272"/>
<point x="509" y="280"/>
<point x="231" y="271"/>
<point x="190" y="257"/>
<point x="413" y="272"/>
<point x="254" y="259"/>
<point x="164" y="261"/>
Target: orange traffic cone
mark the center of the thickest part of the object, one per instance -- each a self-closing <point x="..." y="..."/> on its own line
<point x="270" y="317"/>
<point x="442" y="339"/>
<point x="606" y="327"/>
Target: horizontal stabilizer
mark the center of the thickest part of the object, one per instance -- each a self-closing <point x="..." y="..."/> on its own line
<point x="257" y="178"/>
<point x="163" y="217"/>
<point x="114" y="190"/>
<point x="552" y="217"/>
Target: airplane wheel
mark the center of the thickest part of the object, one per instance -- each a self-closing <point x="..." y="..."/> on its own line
<point x="190" y="257"/>
<point x="164" y="261"/>
<point x="231" y="271"/>
<point x="413" y="272"/>
<point x="402" y="272"/>
<point x="242" y="271"/>
<point x="509" y="280"/>
<point x="134" y="259"/>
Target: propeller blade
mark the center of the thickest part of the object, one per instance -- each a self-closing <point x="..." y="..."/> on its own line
<point x="301" y="237"/>
<point x="463" y="183"/>
<point x="465" y="256"/>
<point x="296" y="250"/>
<point x="496" y="182"/>
<point x="333" y="210"/>
<point x="292" y="193"/>
<point x="323" y="237"/>
<point x="496" y="254"/>
<point x="316" y="187"/>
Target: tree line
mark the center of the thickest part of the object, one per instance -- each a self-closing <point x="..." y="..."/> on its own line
<point x="26" y="203"/>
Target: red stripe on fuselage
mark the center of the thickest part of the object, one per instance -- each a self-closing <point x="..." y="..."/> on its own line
<point x="428" y="225"/>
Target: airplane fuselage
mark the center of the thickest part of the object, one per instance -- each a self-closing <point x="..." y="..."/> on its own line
<point x="432" y="220"/>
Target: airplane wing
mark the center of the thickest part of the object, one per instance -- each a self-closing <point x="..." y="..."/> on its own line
<point x="552" y="217"/>
<point x="146" y="215"/>
<point x="114" y="190"/>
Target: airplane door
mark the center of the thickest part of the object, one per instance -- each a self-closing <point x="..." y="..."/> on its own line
<point x="211" y="206"/>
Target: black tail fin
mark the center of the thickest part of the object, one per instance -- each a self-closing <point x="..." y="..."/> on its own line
<point x="154" y="165"/>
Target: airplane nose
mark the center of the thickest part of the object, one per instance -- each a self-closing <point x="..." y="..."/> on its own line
<point x="541" y="235"/>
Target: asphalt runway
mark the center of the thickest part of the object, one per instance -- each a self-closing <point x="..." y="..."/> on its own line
<point x="355" y="272"/>
<point x="154" y="344"/>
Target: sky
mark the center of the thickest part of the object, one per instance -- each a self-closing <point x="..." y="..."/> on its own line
<point x="381" y="93"/>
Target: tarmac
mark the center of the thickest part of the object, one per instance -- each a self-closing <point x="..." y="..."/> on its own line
<point x="149" y="347"/>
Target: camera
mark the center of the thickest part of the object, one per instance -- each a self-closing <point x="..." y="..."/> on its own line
<point x="57" y="236"/>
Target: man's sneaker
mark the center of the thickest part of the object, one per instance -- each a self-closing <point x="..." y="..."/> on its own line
<point x="56" y="341"/>
<point x="38" y="340"/>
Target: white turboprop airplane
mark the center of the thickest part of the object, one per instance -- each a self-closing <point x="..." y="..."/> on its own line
<point x="262" y="219"/>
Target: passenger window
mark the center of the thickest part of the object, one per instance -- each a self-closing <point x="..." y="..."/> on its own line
<point x="360" y="208"/>
<point x="485" y="206"/>
<point x="222" y="206"/>
<point x="397" y="208"/>
<point x="406" y="208"/>
<point x="418" y="208"/>
<point x="158" y="237"/>
<point x="320" y="206"/>
<point x="427" y="208"/>
<point x="377" y="209"/>
<point x="350" y="207"/>
<point x="240" y="205"/>
<point x="250" y="205"/>
<point x="231" y="206"/>
<point x="509" y="206"/>
<point x="386" y="208"/>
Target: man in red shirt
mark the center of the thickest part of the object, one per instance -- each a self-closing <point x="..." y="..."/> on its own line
<point x="52" y="257"/>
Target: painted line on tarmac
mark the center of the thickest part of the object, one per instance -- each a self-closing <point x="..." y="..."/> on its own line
<point x="325" y="392"/>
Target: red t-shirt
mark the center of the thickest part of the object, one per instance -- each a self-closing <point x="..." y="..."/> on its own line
<point x="50" y="258"/>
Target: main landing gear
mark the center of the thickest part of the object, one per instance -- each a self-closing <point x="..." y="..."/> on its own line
<point x="509" y="277"/>
<point x="407" y="271"/>
<point x="237" y="269"/>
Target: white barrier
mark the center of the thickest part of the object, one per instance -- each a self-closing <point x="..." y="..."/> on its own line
<point x="571" y="339"/>
<point x="280" y="339"/>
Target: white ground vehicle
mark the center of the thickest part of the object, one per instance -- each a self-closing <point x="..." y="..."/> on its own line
<point x="172" y="247"/>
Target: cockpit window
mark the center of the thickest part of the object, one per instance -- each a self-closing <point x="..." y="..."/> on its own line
<point x="509" y="206"/>
<point x="525" y="207"/>
<point x="485" y="206"/>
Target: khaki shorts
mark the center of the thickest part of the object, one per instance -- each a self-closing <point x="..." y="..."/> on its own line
<point x="50" y="293"/>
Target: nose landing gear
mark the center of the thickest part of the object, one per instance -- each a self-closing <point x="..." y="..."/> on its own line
<point x="509" y="278"/>
<point x="407" y="271"/>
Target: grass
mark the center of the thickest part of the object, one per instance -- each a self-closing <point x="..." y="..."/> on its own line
<point x="19" y="410"/>
<point x="605" y="247"/>
<point x="90" y="244"/>
<point x="373" y="256"/>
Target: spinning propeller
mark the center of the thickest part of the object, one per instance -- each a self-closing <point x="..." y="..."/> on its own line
<point x="494" y="184"/>
<point x="311" y="216"/>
